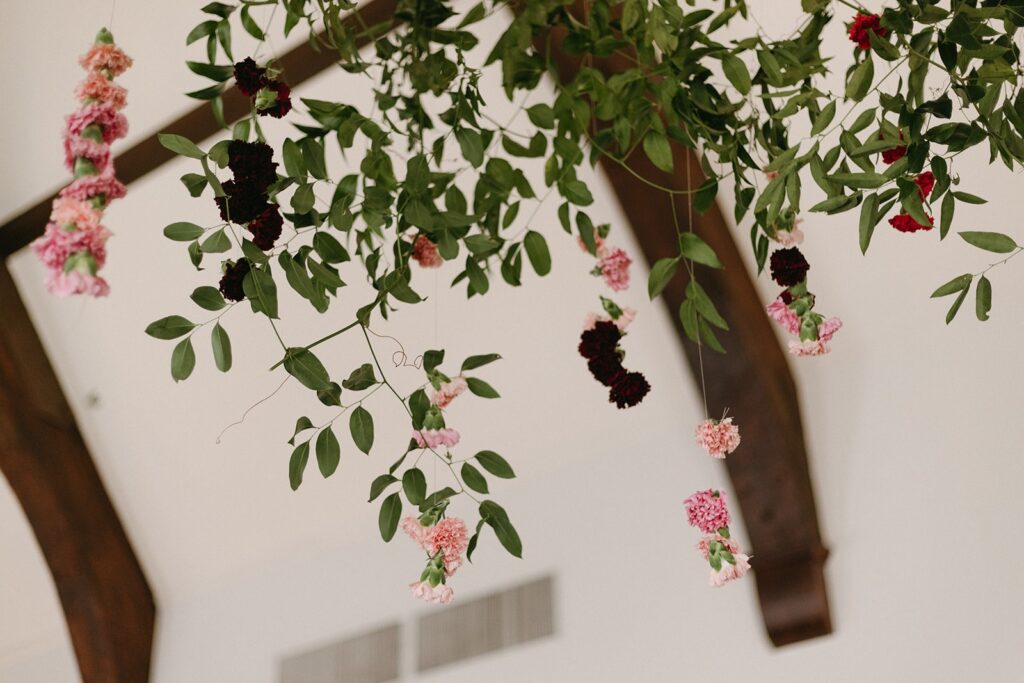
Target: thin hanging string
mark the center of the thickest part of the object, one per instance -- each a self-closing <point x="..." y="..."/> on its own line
<point x="110" y="24"/>
<point x="689" y="226"/>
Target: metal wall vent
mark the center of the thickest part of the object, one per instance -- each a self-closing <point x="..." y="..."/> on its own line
<point x="369" y="658"/>
<point x="493" y="622"/>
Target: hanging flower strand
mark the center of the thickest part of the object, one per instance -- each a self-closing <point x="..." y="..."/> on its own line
<point x="74" y="244"/>
<point x="794" y="311"/>
<point x="708" y="511"/>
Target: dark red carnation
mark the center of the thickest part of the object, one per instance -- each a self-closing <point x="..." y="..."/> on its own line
<point x="789" y="267"/>
<point x="629" y="390"/>
<point x="905" y="223"/>
<point x="786" y="297"/>
<point x="862" y="25"/>
<point x="249" y="76"/>
<point x="231" y="281"/>
<point x="252" y="162"/>
<point x="600" y="340"/>
<point x="266" y="227"/>
<point x="606" y="369"/>
<point x="242" y="203"/>
<point x="281" y="105"/>
<point x="925" y="183"/>
<point x="891" y="156"/>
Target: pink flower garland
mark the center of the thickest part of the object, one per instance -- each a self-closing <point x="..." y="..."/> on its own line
<point x="73" y="246"/>
<point x="445" y="544"/>
<point x="709" y="512"/>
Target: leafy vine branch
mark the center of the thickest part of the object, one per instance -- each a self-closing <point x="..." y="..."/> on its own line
<point x="658" y="79"/>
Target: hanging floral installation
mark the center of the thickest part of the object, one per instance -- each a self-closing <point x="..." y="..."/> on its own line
<point x="74" y="246"/>
<point x="431" y="178"/>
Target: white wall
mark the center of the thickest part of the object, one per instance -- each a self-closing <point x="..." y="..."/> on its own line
<point x="911" y="427"/>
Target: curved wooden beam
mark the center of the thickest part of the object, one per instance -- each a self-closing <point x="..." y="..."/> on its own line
<point x="107" y="602"/>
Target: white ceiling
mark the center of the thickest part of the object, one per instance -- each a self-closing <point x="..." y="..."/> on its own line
<point x="912" y="427"/>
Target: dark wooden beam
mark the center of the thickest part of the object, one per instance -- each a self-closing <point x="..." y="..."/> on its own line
<point x="107" y="602"/>
<point x="299" y="65"/>
<point x="770" y="475"/>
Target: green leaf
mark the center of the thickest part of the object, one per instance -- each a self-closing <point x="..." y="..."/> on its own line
<point x="658" y="150"/>
<point x="301" y="425"/>
<point x="208" y="298"/>
<point x="983" y="298"/>
<point x="171" y="327"/>
<point x="329" y="248"/>
<point x="868" y="221"/>
<point x="989" y="241"/>
<point x="183" y="231"/>
<point x="183" y="360"/>
<point x="824" y="118"/>
<point x="294" y="166"/>
<point x="537" y="251"/>
<point x="705" y="307"/>
<point x="661" y="274"/>
<point x="361" y="378"/>
<point x="472" y="146"/>
<point x="304" y="366"/>
<point x="216" y="72"/>
<point x="946" y="220"/>
<point x="390" y="512"/>
<point x="473" y="479"/>
<point x="251" y="27"/>
<point x="860" y="80"/>
<point x="956" y="306"/>
<point x="955" y="285"/>
<point x="360" y="423"/>
<point x="217" y="243"/>
<point x="737" y="73"/>
<point x="474" y="362"/>
<point x="328" y="452"/>
<point x="495" y="464"/>
<point x="697" y="250"/>
<point x="303" y="199"/>
<point x="181" y="145"/>
<point x="860" y="181"/>
<point x="542" y="115"/>
<point x="969" y="198"/>
<point x="414" y="483"/>
<point x="481" y="388"/>
<point x="380" y="484"/>
<point x="497" y="519"/>
<point x="221" y="348"/>
<point x="297" y="465"/>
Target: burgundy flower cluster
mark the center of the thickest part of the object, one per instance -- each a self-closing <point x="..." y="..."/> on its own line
<point x="234" y="276"/>
<point x="600" y="346"/>
<point x="246" y="201"/>
<point x="271" y="96"/>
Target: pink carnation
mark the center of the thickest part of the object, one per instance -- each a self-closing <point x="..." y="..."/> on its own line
<point x="105" y="57"/>
<point x="828" y="328"/>
<point x="615" y="269"/>
<point x="442" y="594"/>
<point x="789" y="238"/>
<point x="98" y="88"/>
<point x="90" y="186"/>
<point x="435" y="438"/>
<point x="75" y="282"/>
<point x="425" y="253"/>
<point x="416" y="531"/>
<point x="628" y="315"/>
<point x="784" y="315"/>
<point x="730" y="572"/>
<point x="449" y="391"/>
<point x="97" y="152"/>
<point x="57" y="244"/>
<point x="449" y="537"/>
<point x="810" y="347"/>
<point x="75" y="212"/>
<point x="707" y="510"/>
<point x="103" y="114"/>
<point x="718" y="437"/>
<point x="704" y="544"/>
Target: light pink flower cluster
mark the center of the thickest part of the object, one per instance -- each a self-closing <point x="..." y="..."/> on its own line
<point x="449" y="391"/>
<point x="615" y="269"/>
<point x="627" y="316"/>
<point x="708" y="512"/>
<point x="789" y="238"/>
<point x="445" y="544"/>
<point x="73" y="246"/>
<point x="436" y="438"/>
<point x="718" y="437"/>
<point x="785" y="315"/>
